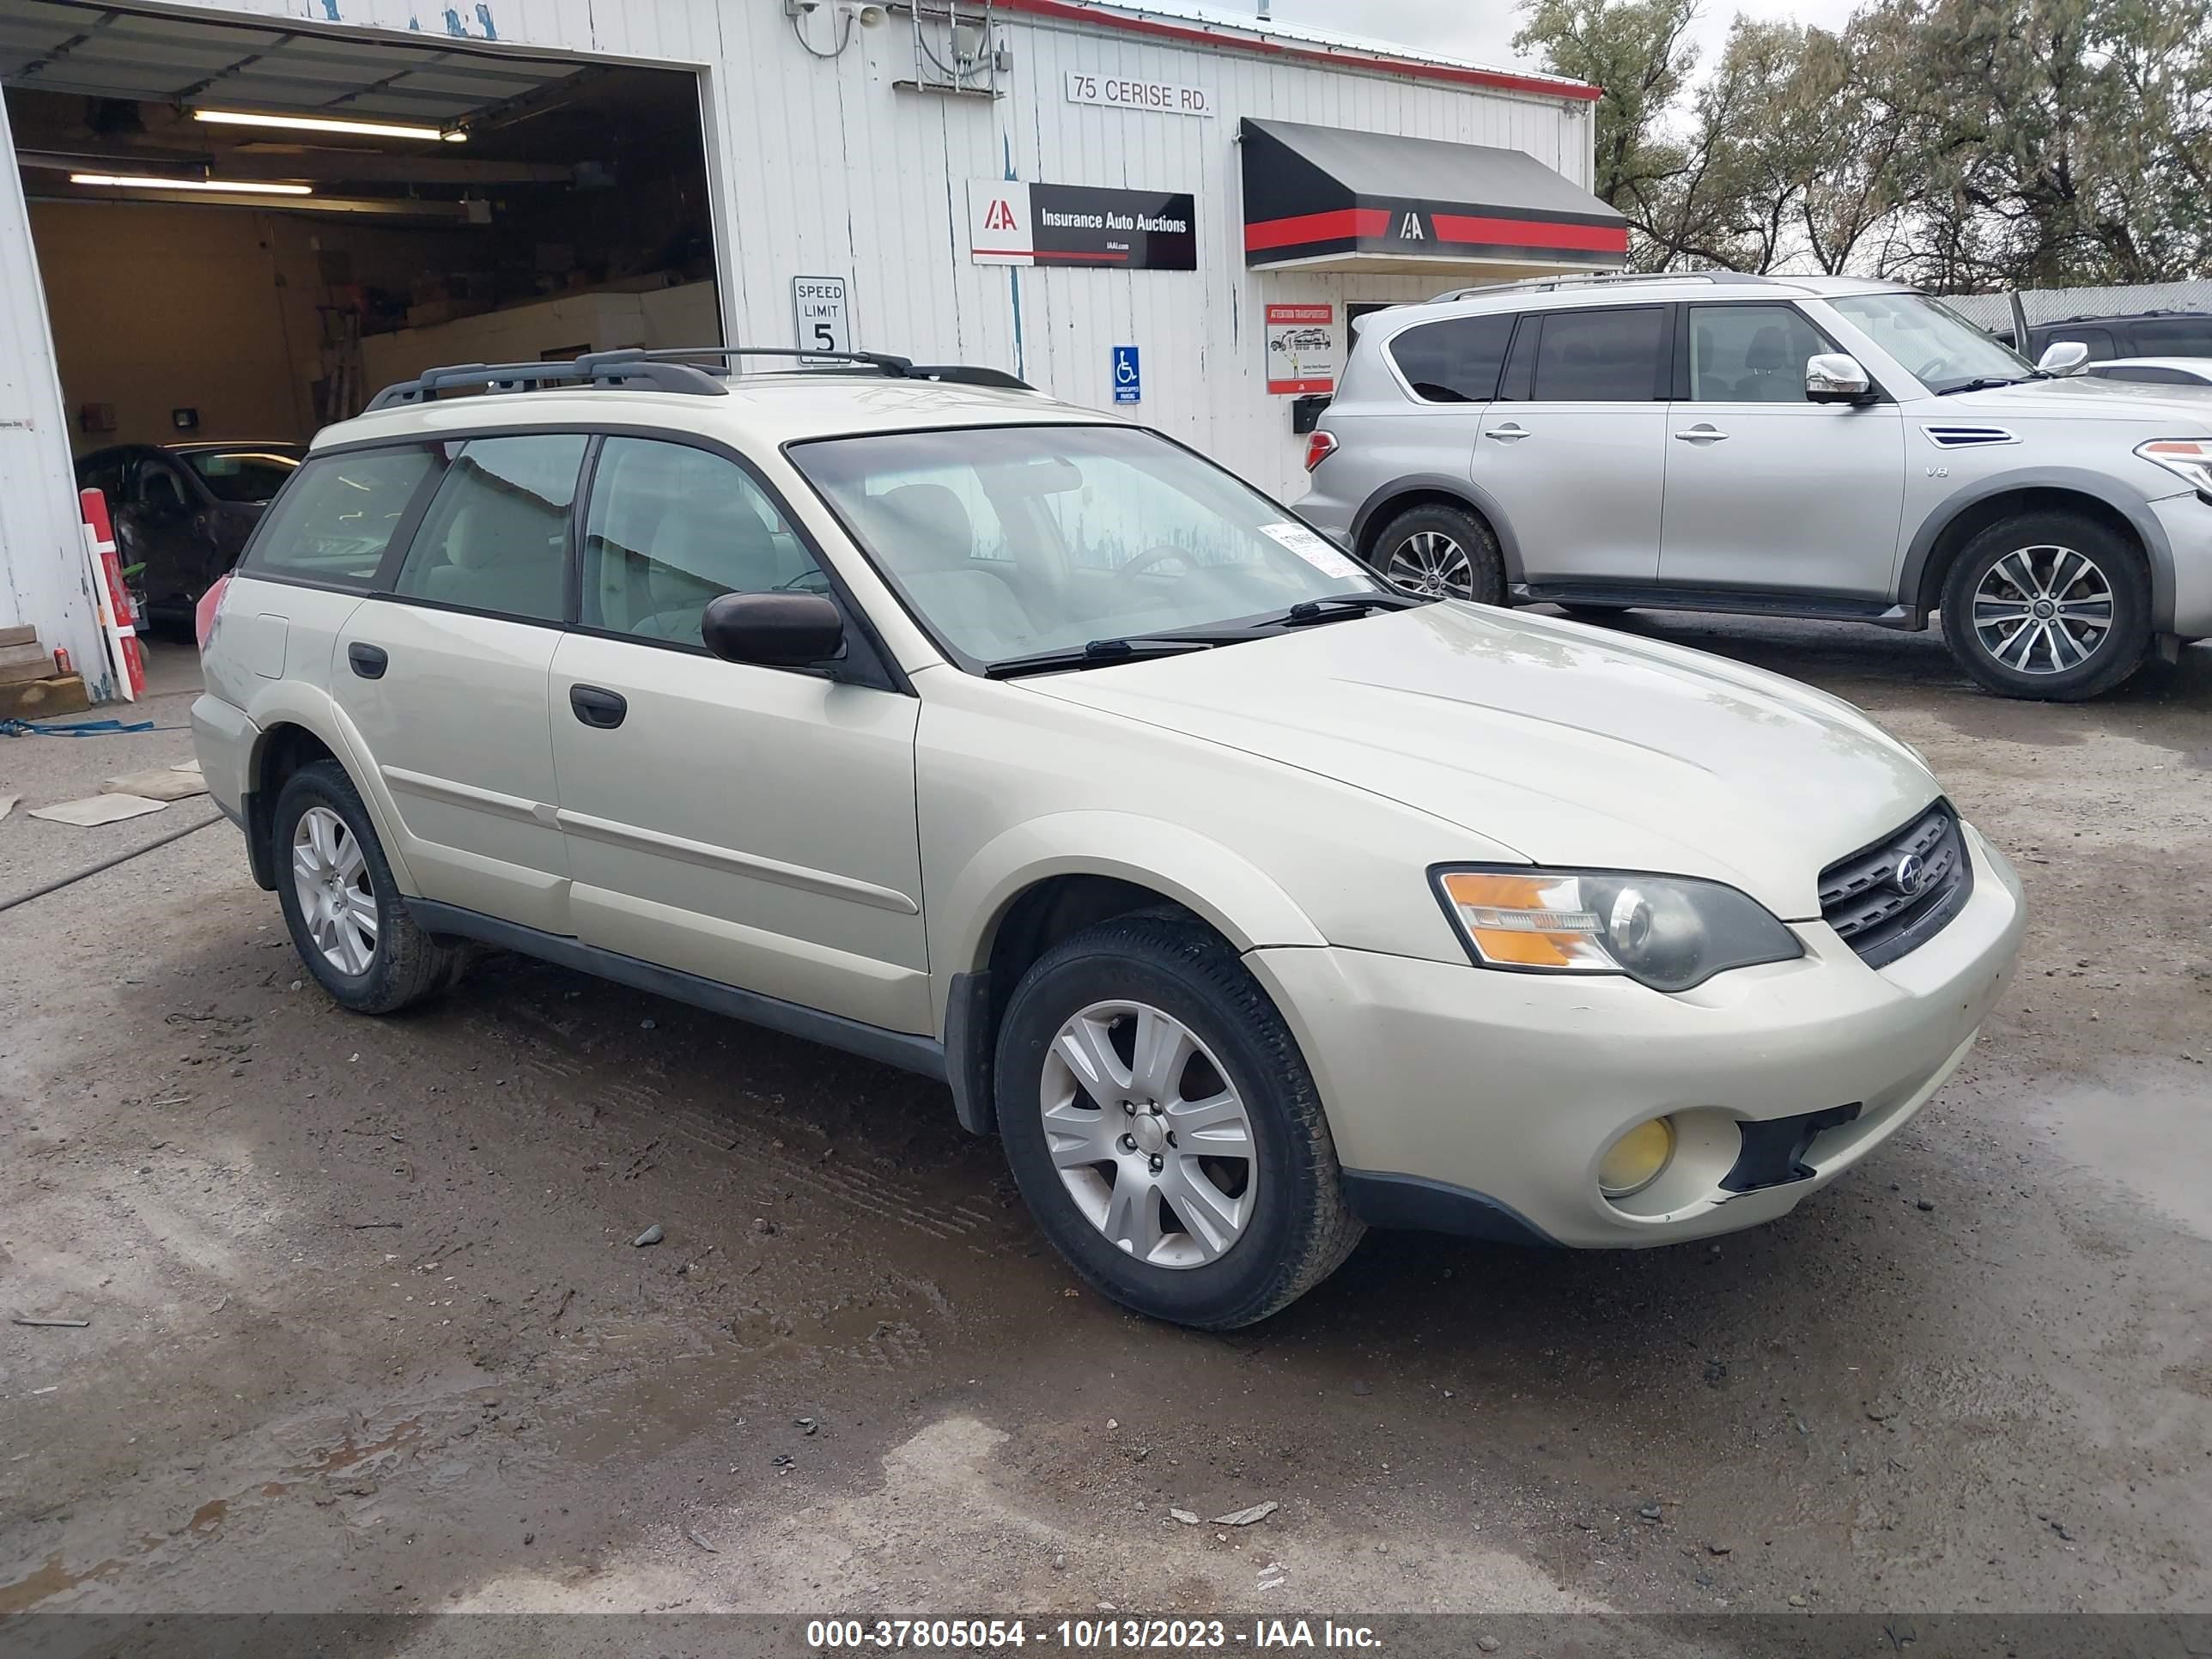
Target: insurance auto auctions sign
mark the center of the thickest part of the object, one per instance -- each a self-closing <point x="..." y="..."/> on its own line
<point x="1302" y="356"/>
<point x="1011" y="222"/>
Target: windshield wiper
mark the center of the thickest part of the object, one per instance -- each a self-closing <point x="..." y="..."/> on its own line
<point x="1100" y="653"/>
<point x="1339" y="605"/>
<point x="1984" y="383"/>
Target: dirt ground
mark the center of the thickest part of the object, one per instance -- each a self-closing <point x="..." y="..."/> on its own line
<point x="367" y="1330"/>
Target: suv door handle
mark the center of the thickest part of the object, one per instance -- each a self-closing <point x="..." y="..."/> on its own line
<point x="594" y="707"/>
<point x="1702" y="433"/>
<point x="369" y="661"/>
<point x="1510" y="433"/>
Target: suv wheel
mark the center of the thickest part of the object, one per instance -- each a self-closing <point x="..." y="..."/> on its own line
<point x="348" y="922"/>
<point x="1441" y="552"/>
<point x="2048" y="605"/>
<point x="1164" y="1130"/>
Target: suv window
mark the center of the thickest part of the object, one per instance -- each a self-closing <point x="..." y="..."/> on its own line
<point x="496" y="536"/>
<point x="2174" y="336"/>
<point x="1456" y="361"/>
<point x="336" y="518"/>
<point x="1601" y="356"/>
<point x="1750" y="353"/>
<point x="671" y="528"/>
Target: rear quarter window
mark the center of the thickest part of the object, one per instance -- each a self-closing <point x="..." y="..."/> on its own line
<point x="334" y="521"/>
<point x="1454" y="362"/>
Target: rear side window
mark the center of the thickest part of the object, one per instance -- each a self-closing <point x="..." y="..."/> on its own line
<point x="2174" y="336"/>
<point x="336" y="516"/>
<point x="2100" y="341"/>
<point x="1456" y="361"/>
<point x="1603" y="356"/>
<point x="496" y="536"/>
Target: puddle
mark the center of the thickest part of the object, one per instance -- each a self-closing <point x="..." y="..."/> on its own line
<point x="2155" y="1138"/>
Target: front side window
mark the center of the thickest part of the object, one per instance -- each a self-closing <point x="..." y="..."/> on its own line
<point x="242" y="475"/>
<point x="1943" y="350"/>
<point x="1750" y="353"/>
<point x="1099" y="533"/>
<point x="1601" y="356"/>
<point x="1454" y="362"/>
<point x="337" y="515"/>
<point x="496" y="536"/>
<point x="2098" y="340"/>
<point x="671" y="528"/>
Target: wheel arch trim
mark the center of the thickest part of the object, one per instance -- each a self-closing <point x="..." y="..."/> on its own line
<point x="1384" y="504"/>
<point x="314" y="711"/>
<point x="1921" y="568"/>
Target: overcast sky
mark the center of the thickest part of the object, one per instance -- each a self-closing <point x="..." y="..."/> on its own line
<point x="1483" y="29"/>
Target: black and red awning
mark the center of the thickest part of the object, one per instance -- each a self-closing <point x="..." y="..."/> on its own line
<point x="1327" y="196"/>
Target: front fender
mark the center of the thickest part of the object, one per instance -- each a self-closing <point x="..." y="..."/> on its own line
<point x="2099" y="486"/>
<point x="1239" y="900"/>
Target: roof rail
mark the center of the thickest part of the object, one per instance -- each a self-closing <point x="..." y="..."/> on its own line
<point x="1598" y="278"/>
<point x="669" y="370"/>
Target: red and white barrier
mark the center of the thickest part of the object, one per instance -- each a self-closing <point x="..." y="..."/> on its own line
<point x="116" y="623"/>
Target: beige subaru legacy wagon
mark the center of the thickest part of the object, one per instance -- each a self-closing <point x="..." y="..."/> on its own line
<point x="1248" y="901"/>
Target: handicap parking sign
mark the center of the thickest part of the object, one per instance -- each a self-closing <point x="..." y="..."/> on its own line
<point x="1128" y="381"/>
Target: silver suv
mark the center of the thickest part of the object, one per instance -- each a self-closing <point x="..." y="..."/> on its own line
<point x="1817" y="447"/>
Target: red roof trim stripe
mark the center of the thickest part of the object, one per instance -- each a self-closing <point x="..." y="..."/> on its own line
<point x="1530" y="232"/>
<point x="1317" y="228"/>
<point x="1194" y="34"/>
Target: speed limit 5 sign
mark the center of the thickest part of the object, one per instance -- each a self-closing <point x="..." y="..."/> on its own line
<point x="819" y="307"/>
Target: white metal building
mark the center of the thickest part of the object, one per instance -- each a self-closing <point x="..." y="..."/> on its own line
<point x="1175" y="210"/>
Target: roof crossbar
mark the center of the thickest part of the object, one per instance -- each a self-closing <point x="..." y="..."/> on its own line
<point x="673" y="369"/>
<point x="1592" y="278"/>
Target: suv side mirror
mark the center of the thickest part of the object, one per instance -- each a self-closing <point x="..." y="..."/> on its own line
<point x="1836" y="377"/>
<point x="2062" y="357"/>
<point x="773" y="630"/>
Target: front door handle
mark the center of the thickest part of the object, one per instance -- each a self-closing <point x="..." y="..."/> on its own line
<point x="369" y="661"/>
<point x="1508" y="433"/>
<point x="595" y="707"/>
<point x="1702" y="433"/>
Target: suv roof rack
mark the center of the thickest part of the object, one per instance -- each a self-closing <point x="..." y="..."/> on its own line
<point x="1598" y="278"/>
<point x="670" y="370"/>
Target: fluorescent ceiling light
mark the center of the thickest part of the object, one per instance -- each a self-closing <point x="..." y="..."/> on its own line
<point x="238" y="118"/>
<point x="235" y="187"/>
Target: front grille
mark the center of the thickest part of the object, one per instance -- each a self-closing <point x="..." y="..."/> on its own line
<point x="1882" y="918"/>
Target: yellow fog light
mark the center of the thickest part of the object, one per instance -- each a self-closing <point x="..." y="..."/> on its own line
<point x="1634" y="1161"/>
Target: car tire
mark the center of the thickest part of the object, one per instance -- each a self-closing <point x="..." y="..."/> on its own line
<point x="1442" y="552"/>
<point x="332" y="878"/>
<point x="1267" y="1217"/>
<point x="2060" y="575"/>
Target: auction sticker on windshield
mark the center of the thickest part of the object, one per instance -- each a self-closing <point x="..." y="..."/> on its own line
<point x="1316" y="550"/>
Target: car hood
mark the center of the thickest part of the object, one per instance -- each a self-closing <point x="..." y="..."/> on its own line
<point x="1570" y="745"/>
<point x="2187" y="410"/>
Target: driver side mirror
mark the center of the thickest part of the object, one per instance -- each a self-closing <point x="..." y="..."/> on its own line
<point x="773" y="630"/>
<point x="2062" y="357"/>
<point x="1837" y="377"/>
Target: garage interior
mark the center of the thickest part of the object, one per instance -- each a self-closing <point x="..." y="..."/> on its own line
<point x="215" y="270"/>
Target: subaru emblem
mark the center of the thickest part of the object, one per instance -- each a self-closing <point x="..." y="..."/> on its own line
<point x="1910" y="876"/>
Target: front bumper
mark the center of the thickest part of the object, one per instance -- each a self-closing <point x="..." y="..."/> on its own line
<point x="2187" y="522"/>
<point x="1453" y="1091"/>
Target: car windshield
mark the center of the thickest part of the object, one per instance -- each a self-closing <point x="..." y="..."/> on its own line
<point x="242" y="475"/>
<point x="1014" y="542"/>
<point x="1943" y="349"/>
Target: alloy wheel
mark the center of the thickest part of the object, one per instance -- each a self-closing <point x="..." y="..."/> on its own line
<point x="329" y="875"/>
<point x="1432" y="565"/>
<point x="1150" y="1137"/>
<point x="2042" y="609"/>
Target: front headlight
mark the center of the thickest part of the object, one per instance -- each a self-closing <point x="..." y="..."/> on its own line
<point x="1670" y="933"/>
<point x="2188" y="460"/>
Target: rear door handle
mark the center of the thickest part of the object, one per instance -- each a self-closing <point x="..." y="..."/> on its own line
<point x="1702" y="433"/>
<point x="595" y="707"/>
<point x="369" y="661"/>
<point x="1507" y="434"/>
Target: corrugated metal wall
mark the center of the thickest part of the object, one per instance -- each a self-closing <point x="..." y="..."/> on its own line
<point x="823" y="168"/>
<point x="41" y="548"/>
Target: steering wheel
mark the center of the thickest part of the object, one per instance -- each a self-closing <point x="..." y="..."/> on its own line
<point x="1150" y="556"/>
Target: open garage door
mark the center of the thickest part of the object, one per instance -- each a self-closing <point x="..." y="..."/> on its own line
<point x="243" y="229"/>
